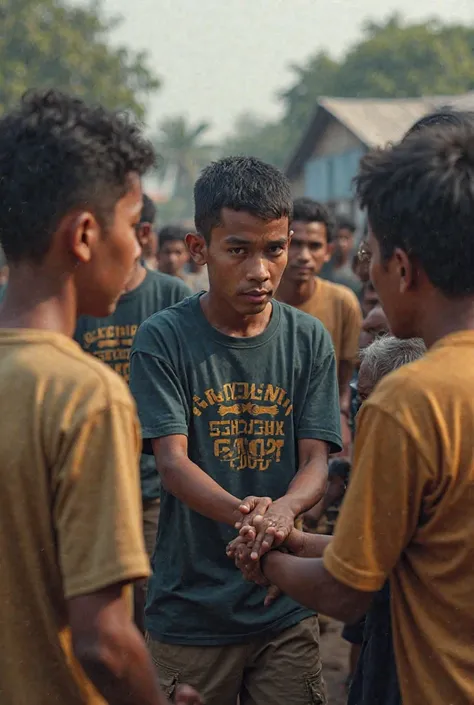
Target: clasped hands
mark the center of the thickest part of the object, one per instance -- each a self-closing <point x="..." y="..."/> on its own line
<point x="262" y="525"/>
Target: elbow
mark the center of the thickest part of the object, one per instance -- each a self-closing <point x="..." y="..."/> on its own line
<point x="352" y="606"/>
<point x="101" y="653"/>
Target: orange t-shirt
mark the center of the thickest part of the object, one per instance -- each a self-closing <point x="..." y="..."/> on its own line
<point x="338" y="309"/>
<point x="408" y="515"/>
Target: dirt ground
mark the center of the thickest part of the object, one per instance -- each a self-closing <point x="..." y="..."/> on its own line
<point x="335" y="658"/>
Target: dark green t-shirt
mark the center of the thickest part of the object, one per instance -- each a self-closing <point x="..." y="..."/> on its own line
<point x="110" y="339"/>
<point x="243" y="403"/>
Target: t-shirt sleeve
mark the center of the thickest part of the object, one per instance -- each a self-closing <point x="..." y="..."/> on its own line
<point x="97" y="505"/>
<point x="382" y="505"/>
<point x="159" y="395"/>
<point x="320" y="418"/>
<point x="352" y="323"/>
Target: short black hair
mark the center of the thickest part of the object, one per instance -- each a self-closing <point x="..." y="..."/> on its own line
<point x="419" y="196"/>
<point x="241" y="184"/>
<point x="306" y="210"/>
<point x="148" y="213"/>
<point x="57" y="154"/>
<point x="444" y="116"/>
<point x="171" y="233"/>
<point x="344" y="223"/>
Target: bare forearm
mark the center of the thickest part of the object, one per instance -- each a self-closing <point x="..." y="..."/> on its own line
<point x="188" y="483"/>
<point x="307" y="487"/>
<point x="308" y="582"/>
<point x="307" y="545"/>
<point x="122" y="671"/>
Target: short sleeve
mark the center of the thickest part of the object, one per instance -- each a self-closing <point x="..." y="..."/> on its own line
<point x="159" y="396"/>
<point x="382" y="505"/>
<point x="97" y="505"/>
<point x="320" y="418"/>
<point x="352" y="323"/>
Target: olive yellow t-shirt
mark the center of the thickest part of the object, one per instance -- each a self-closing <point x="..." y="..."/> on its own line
<point x="409" y="514"/>
<point x="70" y="521"/>
<point x="338" y="309"/>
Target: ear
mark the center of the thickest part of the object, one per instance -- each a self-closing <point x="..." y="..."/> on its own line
<point x="197" y="247"/>
<point x="82" y="232"/>
<point x="406" y="270"/>
<point x="143" y="234"/>
<point x="329" y="252"/>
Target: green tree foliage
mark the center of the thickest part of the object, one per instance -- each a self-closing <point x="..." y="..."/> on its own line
<point x="183" y="153"/>
<point x="49" y="43"/>
<point x="393" y="59"/>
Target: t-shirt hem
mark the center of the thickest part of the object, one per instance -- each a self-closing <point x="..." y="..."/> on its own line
<point x="170" y="430"/>
<point x="350" y="576"/>
<point x="227" y="639"/>
<point x="85" y="585"/>
<point x="321" y="435"/>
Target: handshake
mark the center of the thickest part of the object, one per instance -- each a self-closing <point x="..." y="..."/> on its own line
<point x="263" y="525"/>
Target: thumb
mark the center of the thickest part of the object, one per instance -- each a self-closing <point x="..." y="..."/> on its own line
<point x="273" y="593"/>
<point x="185" y="695"/>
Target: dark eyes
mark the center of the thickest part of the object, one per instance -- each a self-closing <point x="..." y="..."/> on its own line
<point x="274" y="250"/>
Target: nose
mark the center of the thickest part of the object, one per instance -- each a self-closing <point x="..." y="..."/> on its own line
<point x="304" y="255"/>
<point x="258" y="270"/>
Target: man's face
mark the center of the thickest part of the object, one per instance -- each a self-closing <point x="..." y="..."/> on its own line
<point x="173" y="257"/>
<point x="308" y="252"/>
<point x="396" y="300"/>
<point x="114" y="253"/>
<point x="370" y="299"/>
<point x="246" y="257"/>
<point x="374" y="325"/>
<point x="344" y="243"/>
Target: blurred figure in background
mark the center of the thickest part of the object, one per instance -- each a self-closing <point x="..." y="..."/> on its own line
<point x="146" y="234"/>
<point x="339" y="269"/>
<point x="336" y="306"/>
<point x="369" y="298"/>
<point x="173" y="255"/>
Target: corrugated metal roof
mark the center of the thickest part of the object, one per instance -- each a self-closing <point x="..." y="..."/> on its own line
<point x="373" y="121"/>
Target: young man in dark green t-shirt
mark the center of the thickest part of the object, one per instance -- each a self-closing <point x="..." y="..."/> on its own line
<point x="238" y="395"/>
<point x="110" y="339"/>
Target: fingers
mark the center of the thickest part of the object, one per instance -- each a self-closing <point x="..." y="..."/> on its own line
<point x="185" y="695"/>
<point x="273" y="593"/>
<point x="250" y="508"/>
<point x="263" y="542"/>
<point x="233" y="546"/>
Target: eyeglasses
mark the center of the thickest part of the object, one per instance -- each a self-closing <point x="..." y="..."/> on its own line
<point x="364" y="254"/>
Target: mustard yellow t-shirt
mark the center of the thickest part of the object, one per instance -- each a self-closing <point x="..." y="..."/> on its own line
<point x="70" y="521"/>
<point x="409" y="514"/>
<point x="338" y="309"/>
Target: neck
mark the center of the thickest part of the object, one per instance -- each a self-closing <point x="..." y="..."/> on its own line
<point x="296" y="293"/>
<point x="138" y="276"/>
<point x="445" y="316"/>
<point x="228" y="321"/>
<point x="39" y="300"/>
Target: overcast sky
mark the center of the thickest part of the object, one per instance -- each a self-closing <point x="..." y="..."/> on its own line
<point x="219" y="58"/>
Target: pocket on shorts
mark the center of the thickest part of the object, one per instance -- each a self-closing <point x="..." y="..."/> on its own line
<point x="168" y="677"/>
<point x="316" y="688"/>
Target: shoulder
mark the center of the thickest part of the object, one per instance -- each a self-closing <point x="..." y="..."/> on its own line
<point x="340" y="293"/>
<point x="167" y="326"/>
<point x="308" y="329"/>
<point x="71" y="379"/>
<point x="168" y="284"/>
<point x="408" y="395"/>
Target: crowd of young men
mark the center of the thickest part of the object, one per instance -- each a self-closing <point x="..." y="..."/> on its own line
<point x="240" y="391"/>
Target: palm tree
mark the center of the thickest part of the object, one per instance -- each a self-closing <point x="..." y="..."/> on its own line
<point x="182" y="153"/>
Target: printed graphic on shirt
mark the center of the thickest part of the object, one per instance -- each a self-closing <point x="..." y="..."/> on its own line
<point x="112" y="345"/>
<point x="249" y="431"/>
